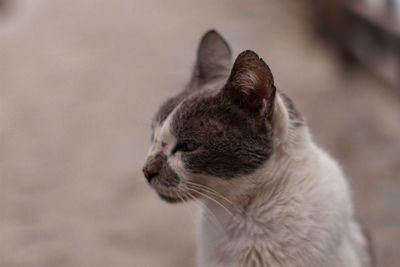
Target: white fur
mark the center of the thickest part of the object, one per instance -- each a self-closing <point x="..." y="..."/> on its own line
<point x="162" y="135"/>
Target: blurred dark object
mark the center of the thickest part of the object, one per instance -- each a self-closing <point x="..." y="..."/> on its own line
<point x="4" y="7"/>
<point x="364" y="31"/>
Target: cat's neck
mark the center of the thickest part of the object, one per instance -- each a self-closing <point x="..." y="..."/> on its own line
<point x="245" y="197"/>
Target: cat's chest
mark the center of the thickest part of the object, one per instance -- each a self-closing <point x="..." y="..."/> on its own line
<point x="236" y="240"/>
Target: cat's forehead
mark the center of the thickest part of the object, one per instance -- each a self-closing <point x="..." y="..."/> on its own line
<point x="194" y="93"/>
<point x="165" y="110"/>
<point x="211" y="116"/>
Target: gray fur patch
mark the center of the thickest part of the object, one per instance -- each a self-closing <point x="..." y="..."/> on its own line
<point x="232" y="142"/>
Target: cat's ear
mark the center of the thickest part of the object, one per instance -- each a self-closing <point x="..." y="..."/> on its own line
<point x="251" y="84"/>
<point x="213" y="57"/>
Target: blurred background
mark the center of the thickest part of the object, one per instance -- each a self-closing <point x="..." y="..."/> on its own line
<point x="81" y="80"/>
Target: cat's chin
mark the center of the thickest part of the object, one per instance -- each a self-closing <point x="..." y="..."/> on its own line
<point x="171" y="199"/>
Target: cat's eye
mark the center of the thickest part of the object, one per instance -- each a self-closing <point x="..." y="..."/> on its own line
<point x="186" y="146"/>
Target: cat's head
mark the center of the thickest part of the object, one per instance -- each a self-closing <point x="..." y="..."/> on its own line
<point x="219" y="129"/>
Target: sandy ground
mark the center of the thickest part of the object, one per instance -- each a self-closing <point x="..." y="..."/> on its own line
<point x="79" y="83"/>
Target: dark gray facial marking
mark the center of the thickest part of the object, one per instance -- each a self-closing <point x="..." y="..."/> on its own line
<point x="158" y="168"/>
<point x="232" y="142"/>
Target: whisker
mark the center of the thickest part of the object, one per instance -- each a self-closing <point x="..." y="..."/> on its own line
<point x="186" y="205"/>
<point x="208" y="213"/>
<point x="211" y="191"/>
<point x="210" y="198"/>
<point x="214" y="193"/>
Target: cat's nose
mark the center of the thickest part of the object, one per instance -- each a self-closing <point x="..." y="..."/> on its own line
<point x="149" y="173"/>
<point x="153" y="166"/>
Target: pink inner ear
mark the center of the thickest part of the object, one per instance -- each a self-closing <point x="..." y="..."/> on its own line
<point x="253" y="86"/>
<point x="251" y="81"/>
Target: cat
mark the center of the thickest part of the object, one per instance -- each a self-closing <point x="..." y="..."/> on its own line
<point x="270" y="196"/>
